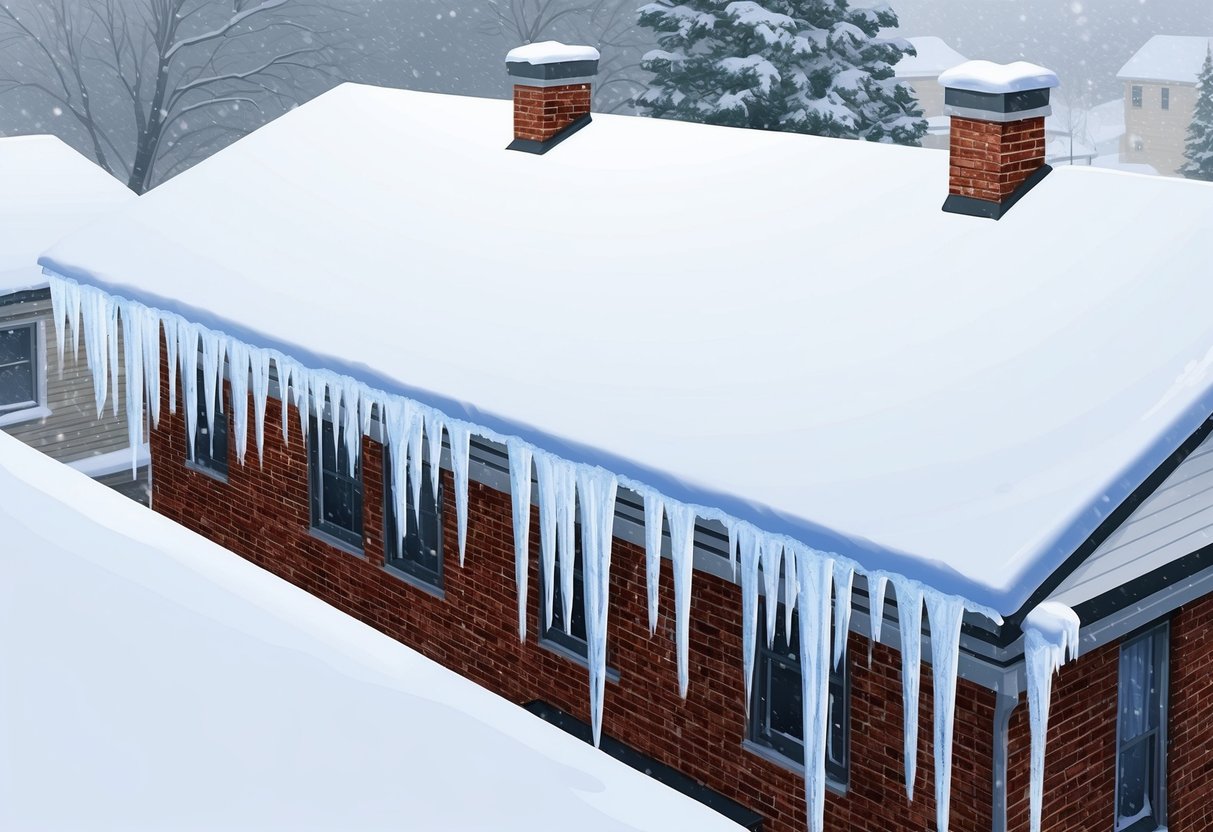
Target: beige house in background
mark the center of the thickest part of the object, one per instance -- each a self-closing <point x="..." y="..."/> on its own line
<point x="50" y="190"/>
<point x="1160" y="96"/>
<point x="921" y="73"/>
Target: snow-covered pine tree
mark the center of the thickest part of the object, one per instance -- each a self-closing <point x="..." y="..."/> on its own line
<point x="808" y="66"/>
<point x="1198" y="151"/>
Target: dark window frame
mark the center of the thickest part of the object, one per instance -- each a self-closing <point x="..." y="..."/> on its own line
<point x="211" y="453"/>
<point x="317" y="437"/>
<point x="1153" y="738"/>
<point x="394" y="558"/>
<point x="1136" y="96"/>
<point x="759" y="731"/>
<point x="35" y="386"/>
<point x="1165" y="98"/>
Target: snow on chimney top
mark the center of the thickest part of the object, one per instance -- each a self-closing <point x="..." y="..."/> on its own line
<point x="551" y="92"/>
<point x="998" y="134"/>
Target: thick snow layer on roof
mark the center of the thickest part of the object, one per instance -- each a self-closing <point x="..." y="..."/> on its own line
<point x="1176" y="58"/>
<point x="551" y="52"/>
<point x="785" y="327"/>
<point x="47" y="189"/>
<point x="177" y="686"/>
<point x="987" y="76"/>
<point x="934" y="56"/>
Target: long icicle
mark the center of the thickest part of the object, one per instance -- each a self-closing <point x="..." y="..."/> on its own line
<point x="187" y="355"/>
<point x="945" y="613"/>
<point x="132" y="348"/>
<point x="878" y="586"/>
<point x="844" y="582"/>
<point x="772" y="559"/>
<point x="433" y="433"/>
<point x="682" y="548"/>
<point x="1050" y="636"/>
<point x="461" y="438"/>
<point x="260" y="368"/>
<point x="238" y="373"/>
<point x="909" y="619"/>
<point x="520" y="496"/>
<point x="150" y="326"/>
<point x="814" y="606"/>
<point x="545" y="472"/>
<point x="749" y="543"/>
<point x="654" y="509"/>
<point x="596" y="489"/>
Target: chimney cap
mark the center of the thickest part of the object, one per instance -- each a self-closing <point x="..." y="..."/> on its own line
<point x="550" y="52"/>
<point x="998" y="79"/>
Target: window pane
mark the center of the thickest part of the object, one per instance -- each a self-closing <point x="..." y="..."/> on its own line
<point x="16" y="344"/>
<point x="338" y="502"/>
<point x="784" y="701"/>
<point x="1137" y="706"/>
<point x="1135" y="784"/>
<point x="17" y="384"/>
<point x="577" y="626"/>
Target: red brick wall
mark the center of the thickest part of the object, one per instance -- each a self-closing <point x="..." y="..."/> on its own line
<point x="990" y="160"/>
<point x="542" y="112"/>
<point x="262" y="513"/>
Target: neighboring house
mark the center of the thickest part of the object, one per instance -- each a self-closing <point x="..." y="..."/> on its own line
<point x="1160" y="96"/>
<point x="633" y="412"/>
<point x="184" y="688"/>
<point x="921" y="73"/>
<point x="50" y="190"/>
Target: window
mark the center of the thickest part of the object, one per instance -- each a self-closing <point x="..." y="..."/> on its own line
<point x="336" y="491"/>
<point x="777" y="715"/>
<point x="574" y="641"/>
<point x="418" y="552"/>
<point x="18" y="368"/>
<point x="210" y="448"/>
<point x="1141" y="732"/>
<point x="1166" y="98"/>
<point x="1136" y="92"/>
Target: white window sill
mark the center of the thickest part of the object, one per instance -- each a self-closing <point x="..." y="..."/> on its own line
<point x="31" y="414"/>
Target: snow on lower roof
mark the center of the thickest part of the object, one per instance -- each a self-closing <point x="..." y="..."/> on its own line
<point x="47" y="190"/>
<point x="1176" y="58"/>
<point x="934" y="56"/>
<point x="989" y="77"/>
<point x="785" y="327"/>
<point x="174" y="685"/>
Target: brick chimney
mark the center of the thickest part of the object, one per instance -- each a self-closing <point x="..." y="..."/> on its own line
<point x="551" y="92"/>
<point x="998" y="134"/>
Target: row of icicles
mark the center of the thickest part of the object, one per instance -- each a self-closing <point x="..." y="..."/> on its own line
<point x="813" y="582"/>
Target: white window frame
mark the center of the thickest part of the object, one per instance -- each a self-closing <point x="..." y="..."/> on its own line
<point x="1163" y="666"/>
<point x="15" y="414"/>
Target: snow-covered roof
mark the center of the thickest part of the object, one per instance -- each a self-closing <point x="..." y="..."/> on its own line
<point x="934" y="56"/>
<point x="989" y="77"/>
<point x="179" y="686"/>
<point x="1175" y="58"/>
<point x="782" y="326"/>
<point x="551" y="52"/>
<point x="47" y="189"/>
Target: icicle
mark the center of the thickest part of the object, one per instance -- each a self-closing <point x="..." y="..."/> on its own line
<point x="814" y="603"/>
<point x="876" y="594"/>
<point x="944" y="613"/>
<point x="433" y="432"/>
<point x="750" y="545"/>
<point x="367" y="404"/>
<point x="791" y="589"/>
<point x="909" y="617"/>
<point x="1050" y="635"/>
<point x="461" y="438"/>
<point x="170" y="342"/>
<point x="212" y="377"/>
<point x="151" y="361"/>
<point x="260" y="368"/>
<point x="132" y="348"/>
<point x="732" y="530"/>
<point x="351" y="424"/>
<point x="654" y="508"/>
<point x="187" y="353"/>
<point x="323" y="396"/>
<point x="596" y="489"/>
<point x="520" y="491"/>
<point x="115" y="367"/>
<point x="401" y="421"/>
<point x="545" y="472"/>
<point x="682" y="548"/>
<point x="238" y="377"/>
<point x="772" y="556"/>
<point x="96" y="344"/>
<point x="58" y="312"/>
<point x="284" y="393"/>
<point x="558" y="485"/>
<point x="415" y="439"/>
<point x="844" y="581"/>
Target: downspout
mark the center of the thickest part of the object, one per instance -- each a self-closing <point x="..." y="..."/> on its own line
<point x="1005" y="702"/>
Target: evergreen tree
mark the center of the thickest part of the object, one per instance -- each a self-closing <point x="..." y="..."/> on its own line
<point x="808" y="66"/>
<point x="1199" y="148"/>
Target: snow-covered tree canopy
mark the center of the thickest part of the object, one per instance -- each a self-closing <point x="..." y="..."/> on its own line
<point x="809" y="66"/>
<point x="1198" y="151"/>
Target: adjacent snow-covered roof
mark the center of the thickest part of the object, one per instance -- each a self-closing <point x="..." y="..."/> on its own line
<point x="989" y="77"/>
<point x="177" y="686"/>
<point x="785" y="327"/>
<point x="934" y="56"/>
<point x="47" y="189"/>
<point x="1176" y="58"/>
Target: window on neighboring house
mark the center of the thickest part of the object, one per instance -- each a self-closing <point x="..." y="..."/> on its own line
<point x="1141" y="732"/>
<point x="336" y="491"/>
<point x="18" y="367"/>
<point x="777" y="715"/>
<point x="574" y="641"/>
<point x="210" y="447"/>
<point x="418" y="552"/>
<point x="1136" y="93"/>
<point x="1166" y="98"/>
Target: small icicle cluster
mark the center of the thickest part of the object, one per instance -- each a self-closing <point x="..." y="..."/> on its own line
<point x="817" y="584"/>
<point x="1050" y="638"/>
